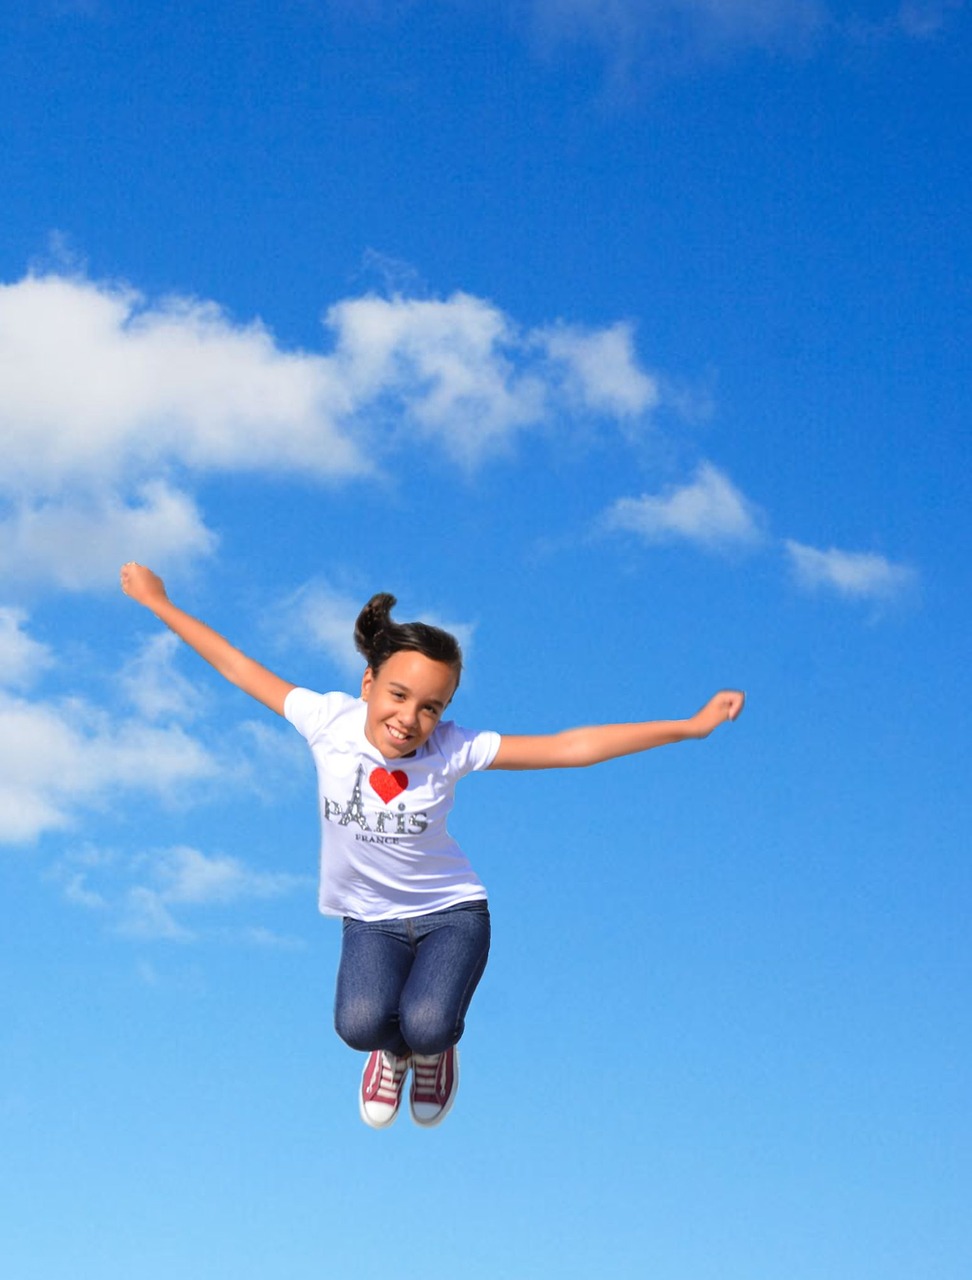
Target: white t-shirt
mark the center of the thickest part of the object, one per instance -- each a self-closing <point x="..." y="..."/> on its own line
<point x="386" y="853"/>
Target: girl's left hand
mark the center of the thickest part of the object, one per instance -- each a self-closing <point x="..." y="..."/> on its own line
<point x="726" y="705"/>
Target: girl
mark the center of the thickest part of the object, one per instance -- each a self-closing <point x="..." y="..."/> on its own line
<point x="416" y="921"/>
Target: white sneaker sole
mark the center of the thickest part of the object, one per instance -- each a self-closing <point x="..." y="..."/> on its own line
<point x="370" y="1121"/>
<point x="441" y="1115"/>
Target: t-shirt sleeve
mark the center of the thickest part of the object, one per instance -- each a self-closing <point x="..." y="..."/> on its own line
<point x="310" y="713"/>
<point x="468" y="750"/>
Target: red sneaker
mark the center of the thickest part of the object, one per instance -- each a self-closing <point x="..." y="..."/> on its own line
<point x="435" y="1082"/>
<point x="381" y="1088"/>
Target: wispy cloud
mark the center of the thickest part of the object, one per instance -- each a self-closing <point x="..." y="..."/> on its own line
<point x="925" y="18"/>
<point x="22" y="658"/>
<point x="602" y="369"/>
<point x="855" y="575"/>
<point x="163" y="895"/>
<point x="709" y="511"/>
<point x="155" y="686"/>
<point x="640" y="41"/>
<point x="144" y="915"/>
<point x="184" y="875"/>
<point x="59" y="757"/>
<point x="323" y="617"/>
<point x="922" y="20"/>
<point x="77" y="542"/>
<point x="63" y="758"/>
<point x="635" y="35"/>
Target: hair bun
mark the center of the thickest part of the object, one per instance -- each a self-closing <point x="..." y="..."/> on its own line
<point x="373" y="620"/>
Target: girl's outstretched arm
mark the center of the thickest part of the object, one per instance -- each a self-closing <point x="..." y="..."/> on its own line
<point x="148" y="589"/>
<point x="577" y="747"/>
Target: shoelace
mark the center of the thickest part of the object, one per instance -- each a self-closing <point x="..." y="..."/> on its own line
<point x="391" y="1073"/>
<point x="427" y="1075"/>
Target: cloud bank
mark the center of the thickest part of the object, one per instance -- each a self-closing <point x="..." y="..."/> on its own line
<point x="111" y="404"/>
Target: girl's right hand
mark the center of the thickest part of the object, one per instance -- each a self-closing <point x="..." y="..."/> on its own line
<point x="142" y="584"/>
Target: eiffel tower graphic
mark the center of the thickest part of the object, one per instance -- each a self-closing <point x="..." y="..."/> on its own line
<point x="355" y="811"/>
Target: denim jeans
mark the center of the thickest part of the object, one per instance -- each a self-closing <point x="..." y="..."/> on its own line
<point x="405" y="985"/>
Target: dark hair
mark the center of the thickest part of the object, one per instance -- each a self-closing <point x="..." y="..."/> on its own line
<point x="377" y="637"/>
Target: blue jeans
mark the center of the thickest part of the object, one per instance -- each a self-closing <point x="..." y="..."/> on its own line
<point x="405" y="985"/>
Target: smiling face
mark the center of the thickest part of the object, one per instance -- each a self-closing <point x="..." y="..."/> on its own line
<point x="406" y="697"/>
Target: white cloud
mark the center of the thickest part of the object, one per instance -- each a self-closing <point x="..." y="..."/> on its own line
<point x="72" y="874"/>
<point x="79" y="543"/>
<point x="76" y="891"/>
<point x="59" y="757"/>
<point x="323" y="617"/>
<point x="97" y="385"/>
<point x="110" y="405"/>
<point x="140" y="895"/>
<point x="184" y="875"/>
<point x="22" y="658"/>
<point x="268" y="939"/>
<point x="154" y="686"/>
<point x="144" y="915"/>
<point x="271" y="761"/>
<point x="709" y="511"/>
<point x="602" y="369"/>
<point x="455" y="366"/>
<point x="858" y="575"/>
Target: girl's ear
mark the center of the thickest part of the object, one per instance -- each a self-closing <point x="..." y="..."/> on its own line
<point x="367" y="680"/>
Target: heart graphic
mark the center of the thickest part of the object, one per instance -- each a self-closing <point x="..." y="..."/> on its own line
<point x="388" y="785"/>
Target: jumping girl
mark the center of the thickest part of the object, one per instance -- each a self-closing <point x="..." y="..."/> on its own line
<point x="416" y="920"/>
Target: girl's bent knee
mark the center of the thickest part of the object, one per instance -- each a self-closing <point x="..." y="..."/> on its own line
<point x="361" y="1026"/>
<point x="430" y="1033"/>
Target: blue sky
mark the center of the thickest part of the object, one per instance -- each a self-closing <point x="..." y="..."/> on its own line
<point x="631" y="341"/>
